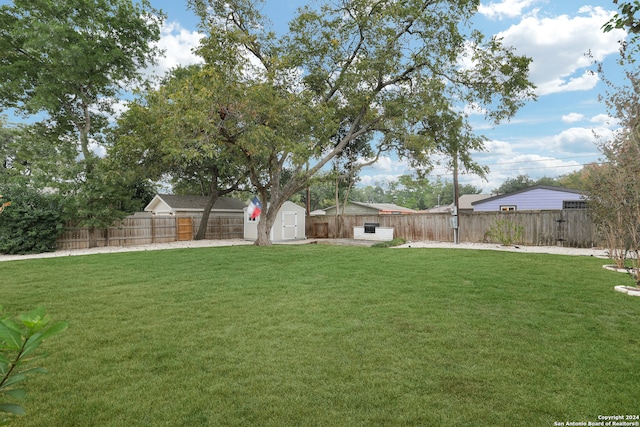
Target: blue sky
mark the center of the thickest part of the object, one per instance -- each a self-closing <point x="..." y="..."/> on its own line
<point x="550" y="137"/>
<point x="553" y="136"/>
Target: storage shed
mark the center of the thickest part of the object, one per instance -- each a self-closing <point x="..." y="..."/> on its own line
<point x="537" y="198"/>
<point x="289" y="224"/>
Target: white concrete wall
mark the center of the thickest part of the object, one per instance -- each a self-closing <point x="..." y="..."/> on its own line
<point x="383" y="234"/>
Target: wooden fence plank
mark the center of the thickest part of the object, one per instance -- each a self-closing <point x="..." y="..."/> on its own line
<point x="572" y="227"/>
<point x="184" y="227"/>
<point x="134" y="230"/>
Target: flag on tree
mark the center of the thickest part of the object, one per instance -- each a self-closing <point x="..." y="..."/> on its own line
<point x="254" y="209"/>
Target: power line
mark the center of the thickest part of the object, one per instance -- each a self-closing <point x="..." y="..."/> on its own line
<point x="436" y="171"/>
<point x="539" y="160"/>
<point x="548" y="167"/>
<point x="531" y="161"/>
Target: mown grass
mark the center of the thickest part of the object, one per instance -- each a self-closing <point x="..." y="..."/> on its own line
<point x="325" y="335"/>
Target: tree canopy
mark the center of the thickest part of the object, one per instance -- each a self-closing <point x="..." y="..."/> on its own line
<point x="626" y="18"/>
<point x="348" y="70"/>
<point x="71" y="58"/>
<point x="68" y="61"/>
<point x="614" y="187"/>
<point x="173" y="132"/>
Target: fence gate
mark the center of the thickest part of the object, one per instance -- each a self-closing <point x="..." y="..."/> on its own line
<point x="185" y="228"/>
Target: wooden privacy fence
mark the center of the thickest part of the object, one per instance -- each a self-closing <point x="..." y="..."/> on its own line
<point x="144" y="230"/>
<point x="572" y="228"/>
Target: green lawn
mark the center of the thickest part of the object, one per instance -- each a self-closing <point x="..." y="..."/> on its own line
<point x="329" y="336"/>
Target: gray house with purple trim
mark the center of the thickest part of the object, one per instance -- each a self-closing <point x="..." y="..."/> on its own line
<point x="537" y="198"/>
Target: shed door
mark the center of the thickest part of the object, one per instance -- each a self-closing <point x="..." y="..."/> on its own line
<point x="184" y="227"/>
<point x="289" y="225"/>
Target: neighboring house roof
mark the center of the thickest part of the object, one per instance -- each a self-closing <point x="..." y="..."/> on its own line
<point x="464" y="203"/>
<point x="524" y="190"/>
<point x="539" y="197"/>
<point x="438" y="209"/>
<point x="179" y="203"/>
<point x="380" y="208"/>
<point x="387" y="207"/>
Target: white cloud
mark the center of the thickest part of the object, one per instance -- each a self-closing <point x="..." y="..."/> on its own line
<point x="586" y="81"/>
<point x="474" y="109"/>
<point x="540" y="166"/>
<point x="534" y="165"/>
<point x="178" y="44"/>
<point x="572" y="141"/>
<point x="499" y="148"/>
<point x="389" y="164"/>
<point x="572" y="117"/>
<point x="377" y="179"/>
<point x="97" y="149"/>
<point x="386" y="169"/>
<point x="604" y="120"/>
<point x="119" y="107"/>
<point x="505" y="8"/>
<point x="578" y="140"/>
<point x="559" y="47"/>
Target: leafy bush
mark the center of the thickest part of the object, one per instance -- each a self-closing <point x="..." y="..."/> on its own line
<point x="505" y="231"/>
<point x="33" y="223"/>
<point x="19" y="340"/>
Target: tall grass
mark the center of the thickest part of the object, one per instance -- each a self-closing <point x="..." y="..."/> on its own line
<point x="326" y="335"/>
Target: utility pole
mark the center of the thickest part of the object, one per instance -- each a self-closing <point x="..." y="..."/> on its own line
<point x="309" y="195"/>
<point x="455" y="219"/>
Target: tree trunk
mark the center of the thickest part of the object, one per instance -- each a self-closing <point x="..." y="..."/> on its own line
<point x="204" y="221"/>
<point x="266" y="221"/>
<point x="263" y="234"/>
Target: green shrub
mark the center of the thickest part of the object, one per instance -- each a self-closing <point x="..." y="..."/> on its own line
<point x="19" y="340"/>
<point x="32" y="224"/>
<point x="505" y="231"/>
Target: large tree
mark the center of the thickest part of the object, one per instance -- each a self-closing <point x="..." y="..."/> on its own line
<point x="511" y="185"/>
<point x="414" y="192"/>
<point x="372" y="69"/>
<point x="172" y="132"/>
<point x="30" y="156"/>
<point x="614" y="187"/>
<point x="453" y="138"/>
<point x="70" y="61"/>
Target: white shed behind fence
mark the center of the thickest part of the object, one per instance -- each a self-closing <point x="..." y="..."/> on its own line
<point x="289" y="224"/>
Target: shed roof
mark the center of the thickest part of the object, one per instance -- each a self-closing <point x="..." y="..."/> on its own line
<point x="380" y="207"/>
<point x="198" y="203"/>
